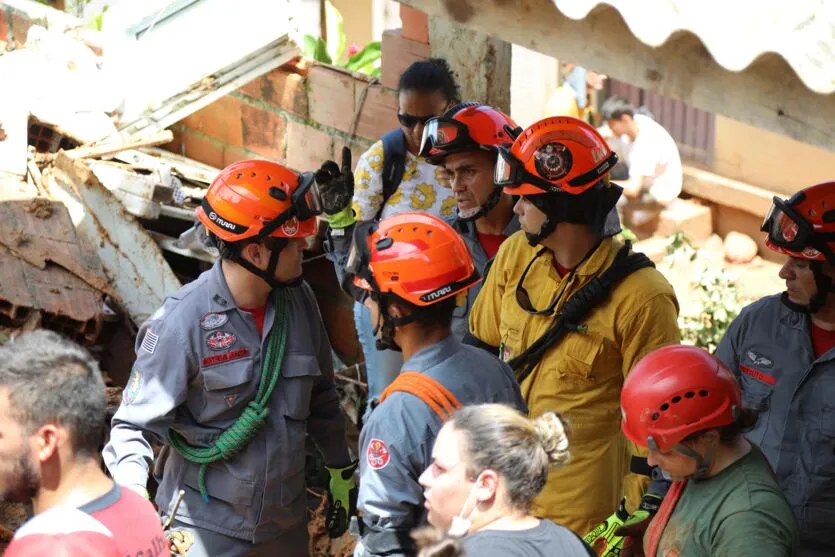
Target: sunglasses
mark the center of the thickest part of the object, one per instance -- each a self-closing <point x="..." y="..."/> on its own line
<point x="409" y="121"/>
<point x="524" y="299"/>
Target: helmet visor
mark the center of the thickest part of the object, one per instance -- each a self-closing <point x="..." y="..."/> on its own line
<point x="503" y="172"/>
<point x="786" y="228"/>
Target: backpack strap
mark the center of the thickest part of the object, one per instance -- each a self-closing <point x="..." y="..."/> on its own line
<point x="435" y="395"/>
<point x="394" y="164"/>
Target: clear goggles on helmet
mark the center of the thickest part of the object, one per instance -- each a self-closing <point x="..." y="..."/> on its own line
<point x="305" y="203"/>
<point x="510" y="173"/>
<point x="357" y="264"/>
<point x="442" y="134"/>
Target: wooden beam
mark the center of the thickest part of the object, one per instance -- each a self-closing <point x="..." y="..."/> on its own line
<point x="767" y="94"/>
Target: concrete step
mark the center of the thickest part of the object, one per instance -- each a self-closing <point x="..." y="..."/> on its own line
<point x="693" y="219"/>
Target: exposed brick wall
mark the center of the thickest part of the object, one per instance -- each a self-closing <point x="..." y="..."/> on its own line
<point x="297" y="114"/>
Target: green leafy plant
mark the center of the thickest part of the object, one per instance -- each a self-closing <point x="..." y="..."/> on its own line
<point x="714" y="291"/>
<point x="364" y="60"/>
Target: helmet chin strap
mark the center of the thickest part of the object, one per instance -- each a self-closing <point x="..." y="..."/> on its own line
<point x="388" y="324"/>
<point x="485" y="209"/>
<point x="268" y="274"/>
<point x="703" y="463"/>
<point x="824" y="284"/>
<point x="548" y="226"/>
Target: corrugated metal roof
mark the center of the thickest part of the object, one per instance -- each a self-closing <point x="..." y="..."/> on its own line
<point x="736" y="32"/>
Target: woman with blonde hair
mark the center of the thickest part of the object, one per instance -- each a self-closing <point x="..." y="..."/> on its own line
<point x="488" y="464"/>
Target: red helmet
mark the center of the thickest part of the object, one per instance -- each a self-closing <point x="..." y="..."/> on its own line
<point x="260" y="198"/>
<point x="415" y="256"/>
<point x="674" y="392"/>
<point x="466" y="127"/>
<point x="559" y="154"/>
<point x="803" y="226"/>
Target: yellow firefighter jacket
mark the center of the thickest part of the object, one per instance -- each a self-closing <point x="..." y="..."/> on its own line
<point x="582" y="376"/>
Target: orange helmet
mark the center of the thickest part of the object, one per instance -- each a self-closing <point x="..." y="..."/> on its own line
<point x="674" y="392"/>
<point x="466" y="127"/>
<point x="803" y="226"/>
<point x="415" y="256"/>
<point x="257" y="198"/>
<point x="559" y="154"/>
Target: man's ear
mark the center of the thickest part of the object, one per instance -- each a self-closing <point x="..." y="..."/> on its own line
<point x="45" y="441"/>
<point x="396" y="310"/>
<point x="254" y="253"/>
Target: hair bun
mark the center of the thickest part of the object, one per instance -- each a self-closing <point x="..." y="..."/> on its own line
<point x="553" y="436"/>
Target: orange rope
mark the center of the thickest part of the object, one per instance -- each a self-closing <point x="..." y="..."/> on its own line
<point x="435" y="395"/>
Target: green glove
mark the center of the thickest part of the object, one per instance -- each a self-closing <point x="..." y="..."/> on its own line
<point x="336" y="190"/>
<point x="621" y="530"/>
<point x="342" y="499"/>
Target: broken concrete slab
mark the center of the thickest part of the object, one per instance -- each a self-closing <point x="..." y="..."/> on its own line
<point x="46" y="277"/>
<point x="139" y="273"/>
<point x="141" y="194"/>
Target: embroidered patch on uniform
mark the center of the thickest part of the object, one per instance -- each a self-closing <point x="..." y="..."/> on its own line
<point x="378" y="455"/>
<point x="231" y="399"/>
<point x="759" y="359"/>
<point x="238" y="354"/>
<point x="132" y="388"/>
<point x="758" y="375"/>
<point x="553" y="161"/>
<point x="213" y="321"/>
<point x="218" y="299"/>
<point x="149" y="343"/>
<point x="290" y="227"/>
<point x="221" y="340"/>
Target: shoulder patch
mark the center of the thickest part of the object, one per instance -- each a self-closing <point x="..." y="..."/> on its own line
<point x="149" y="341"/>
<point x="133" y="386"/>
<point x="377" y="454"/>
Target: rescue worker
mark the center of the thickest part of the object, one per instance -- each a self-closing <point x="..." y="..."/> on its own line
<point x="408" y="270"/>
<point x="465" y="141"/>
<point x="231" y="372"/>
<point x="572" y="312"/>
<point x="684" y="405"/>
<point x="780" y="349"/>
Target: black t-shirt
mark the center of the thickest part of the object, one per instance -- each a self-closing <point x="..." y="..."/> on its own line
<point x="544" y="540"/>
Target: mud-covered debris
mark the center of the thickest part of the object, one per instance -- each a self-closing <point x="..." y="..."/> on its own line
<point x="40" y="207"/>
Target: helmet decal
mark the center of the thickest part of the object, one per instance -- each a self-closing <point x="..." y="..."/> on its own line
<point x="553" y="161"/>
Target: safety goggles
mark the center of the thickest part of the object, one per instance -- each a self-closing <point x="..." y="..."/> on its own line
<point x="510" y="172"/>
<point x="444" y="134"/>
<point x="305" y="203"/>
<point x="786" y="228"/>
<point x="409" y="121"/>
<point x="358" y="263"/>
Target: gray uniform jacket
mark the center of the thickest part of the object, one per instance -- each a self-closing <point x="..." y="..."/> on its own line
<point x="396" y="442"/>
<point x="467" y="230"/>
<point x="769" y="348"/>
<point x="198" y="365"/>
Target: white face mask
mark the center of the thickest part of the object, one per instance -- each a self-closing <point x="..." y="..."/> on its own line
<point x="460" y="524"/>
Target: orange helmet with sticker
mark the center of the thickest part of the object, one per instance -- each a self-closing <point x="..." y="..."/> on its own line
<point x="257" y="198"/>
<point x="804" y="225"/>
<point x="414" y="256"/>
<point x="558" y="154"/>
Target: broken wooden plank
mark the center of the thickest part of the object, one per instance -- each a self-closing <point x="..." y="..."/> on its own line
<point x="13" y="134"/>
<point x="113" y="147"/>
<point x="139" y="272"/>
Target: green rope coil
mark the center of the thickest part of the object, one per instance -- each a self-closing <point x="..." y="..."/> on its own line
<point x="237" y="438"/>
